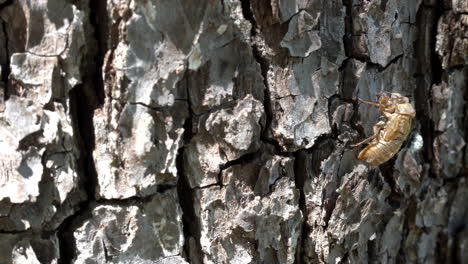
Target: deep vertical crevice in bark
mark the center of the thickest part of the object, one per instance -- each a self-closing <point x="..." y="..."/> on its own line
<point x="5" y="66"/>
<point x="307" y="165"/>
<point x="98" y="19"/>
<point x="464" y="171"/>
<point x="191" y="225"/>
<point x="387" y="173"/>
<point x="82" y="122"/>
<point x="248" y="15"/>
<point x="347" y="81"/>
<point x="436" y="64"/>
<point x="84" y="99"/>
<point x="348" y="36"/>
<point x="264" y="67"/>
<point x="429" y="71"/>
<point x="300" y="175"/>
<point x="351" y="51"/>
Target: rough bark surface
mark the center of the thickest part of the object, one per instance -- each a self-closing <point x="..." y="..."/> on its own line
<point x="157" y="131"/>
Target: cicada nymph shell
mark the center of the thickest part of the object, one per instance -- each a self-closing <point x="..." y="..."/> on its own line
<point x="388" y="135"/>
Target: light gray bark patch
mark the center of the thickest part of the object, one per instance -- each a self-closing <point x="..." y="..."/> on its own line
<point x="245" y="211"/>
<point x="40" y="151"/>
<point x="139" y="154"/>
<point x="300" y="88"/>
<point x="302" y="38"/>
<point x="223" y="136"/>
<point x="143" y="232"/>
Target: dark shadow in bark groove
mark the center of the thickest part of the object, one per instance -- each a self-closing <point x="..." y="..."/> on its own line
<point x="387" y="173"/>
<point x="242" y="160"/>
<point x="191" y="225"/>
<point x="436" y="64"/>
<point x="99" y="20"/>
<point x="84" y="99"/>
<point x="5" y="67"/>
<point x="82" y="119"/>
<point x="306" y="166"/>
<point x="300" y="176"/>
<point x="464" y="170"/>
<point x="429" y="71"/>
<point x="248" y="14"/>
<point x="265" y="135"/>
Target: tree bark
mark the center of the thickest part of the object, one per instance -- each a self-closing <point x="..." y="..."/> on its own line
<point x="157" y="131"/>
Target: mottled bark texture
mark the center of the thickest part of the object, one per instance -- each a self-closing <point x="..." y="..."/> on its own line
<point x="219" y="131"/>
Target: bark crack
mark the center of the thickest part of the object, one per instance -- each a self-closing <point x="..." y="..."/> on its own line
<point x="5" y="69"/>
<point x="191" y="226"/>
<point x="82" y="119"/>
<point x="244" y="159"/>
<point x="379" y="67"/>
<point x="246" y="7"/>
<point x="299" y="176"/>
<point x="84" y="99"/>
<point x="429" y="71"/>
<point x="264" y="67"/>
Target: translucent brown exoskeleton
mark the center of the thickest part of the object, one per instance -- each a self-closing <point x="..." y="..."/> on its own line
<point x="388" y="135"/>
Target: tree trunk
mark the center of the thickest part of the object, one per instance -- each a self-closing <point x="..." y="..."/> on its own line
<point x="169" y="131"/>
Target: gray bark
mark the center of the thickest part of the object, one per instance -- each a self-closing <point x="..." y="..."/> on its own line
<point x="156" y="131"/>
